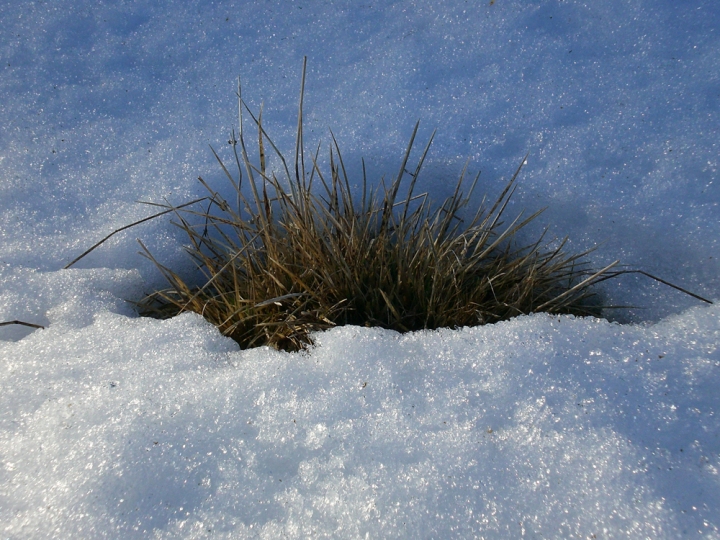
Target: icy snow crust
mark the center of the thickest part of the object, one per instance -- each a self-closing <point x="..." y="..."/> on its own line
<point x="544" y="426"/>
<point x="113" y="426"/>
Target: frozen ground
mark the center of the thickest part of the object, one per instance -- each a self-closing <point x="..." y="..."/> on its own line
<point x="119" y="427"/>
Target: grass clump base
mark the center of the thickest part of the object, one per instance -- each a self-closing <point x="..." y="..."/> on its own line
<point x="299" y="254"/>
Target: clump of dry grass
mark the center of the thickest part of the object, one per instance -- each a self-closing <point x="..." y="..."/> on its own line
<point x="299" y="254"/>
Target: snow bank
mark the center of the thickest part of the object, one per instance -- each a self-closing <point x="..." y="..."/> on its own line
<point x="543" y="426"/>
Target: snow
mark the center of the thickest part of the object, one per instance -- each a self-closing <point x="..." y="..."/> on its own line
<point x="113" y="426"/>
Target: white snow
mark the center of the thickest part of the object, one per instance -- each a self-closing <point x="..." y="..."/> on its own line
<point x="113" y="426"/>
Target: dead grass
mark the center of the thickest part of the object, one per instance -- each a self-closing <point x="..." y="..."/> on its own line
<point x="296" y="253"/>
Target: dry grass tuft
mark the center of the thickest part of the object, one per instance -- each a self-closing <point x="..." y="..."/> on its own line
<point x="300" y="255"/>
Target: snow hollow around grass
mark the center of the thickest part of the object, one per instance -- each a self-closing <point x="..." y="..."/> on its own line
<point x="113" y="426"/>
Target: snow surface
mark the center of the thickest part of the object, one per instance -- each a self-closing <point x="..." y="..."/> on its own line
<point x="546" y="427"/>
